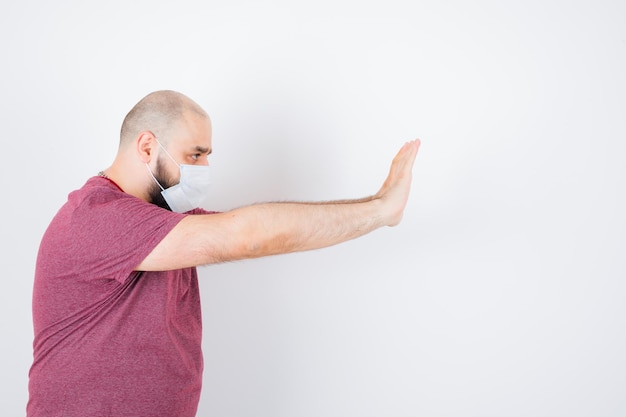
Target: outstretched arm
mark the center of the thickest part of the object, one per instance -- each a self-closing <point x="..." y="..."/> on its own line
<point x="275" y="228"/>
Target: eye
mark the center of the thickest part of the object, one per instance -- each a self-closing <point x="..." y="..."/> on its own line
<point x="195" y="156"/>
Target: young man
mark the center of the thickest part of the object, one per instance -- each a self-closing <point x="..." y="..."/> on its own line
<point x="116" y="305"/>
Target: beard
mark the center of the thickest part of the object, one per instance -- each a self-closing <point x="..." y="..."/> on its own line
<point x="154" y="193"/>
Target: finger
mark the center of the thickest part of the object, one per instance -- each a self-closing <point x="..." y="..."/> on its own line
<point x="414" y="148"/>
<point x="406" y="155"/>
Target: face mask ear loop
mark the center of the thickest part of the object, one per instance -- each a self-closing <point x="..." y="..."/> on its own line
<point x="166" y="152"/>
<point x="152" y="175"/>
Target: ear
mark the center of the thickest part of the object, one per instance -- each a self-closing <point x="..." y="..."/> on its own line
<point x="146" y="146"/>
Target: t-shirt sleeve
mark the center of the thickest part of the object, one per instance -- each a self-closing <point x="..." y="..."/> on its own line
<point x="109" y="235"/>
<point x="201" y="211"/>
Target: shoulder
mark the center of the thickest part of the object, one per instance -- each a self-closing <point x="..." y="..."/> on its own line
<point x="100" y="201"/>
<point x="97" y="189"/>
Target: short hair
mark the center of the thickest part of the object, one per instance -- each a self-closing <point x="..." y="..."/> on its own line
<point x="158" y="112"/>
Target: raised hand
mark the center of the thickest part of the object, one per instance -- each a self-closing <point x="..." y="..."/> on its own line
<point x="395" y="190"/>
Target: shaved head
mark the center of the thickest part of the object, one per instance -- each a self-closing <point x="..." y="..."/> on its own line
<point x="159" y="112"/>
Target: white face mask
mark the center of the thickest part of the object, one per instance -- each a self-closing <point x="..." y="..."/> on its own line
<point x="191" y="190"/>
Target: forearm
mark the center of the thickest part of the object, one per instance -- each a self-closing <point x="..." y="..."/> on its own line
<point x="276" y="228"/>
<point x="360" y="200"/>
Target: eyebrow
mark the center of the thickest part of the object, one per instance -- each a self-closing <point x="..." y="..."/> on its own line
<point x="202" y="149"/>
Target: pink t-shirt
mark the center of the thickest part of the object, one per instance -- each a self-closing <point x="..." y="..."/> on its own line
<point x="110" y="341"/>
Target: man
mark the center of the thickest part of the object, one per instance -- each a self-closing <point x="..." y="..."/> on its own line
<point x="116" y="306"/>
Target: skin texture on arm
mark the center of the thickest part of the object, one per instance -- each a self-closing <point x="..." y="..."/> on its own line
<point x="277" y="228"/>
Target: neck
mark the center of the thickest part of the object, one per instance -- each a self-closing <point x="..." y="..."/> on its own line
<point x="104" y="175"/>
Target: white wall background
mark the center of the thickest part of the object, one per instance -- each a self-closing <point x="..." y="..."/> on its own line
<point x="503" y="291"/>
